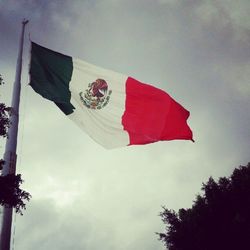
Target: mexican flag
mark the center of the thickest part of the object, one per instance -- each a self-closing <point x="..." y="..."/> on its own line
<point x="114" y="109"/>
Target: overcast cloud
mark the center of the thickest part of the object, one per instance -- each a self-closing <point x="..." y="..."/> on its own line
<point x="86" y="197"/>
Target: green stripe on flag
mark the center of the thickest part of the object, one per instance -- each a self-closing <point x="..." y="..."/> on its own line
<point x="50" y="75"/>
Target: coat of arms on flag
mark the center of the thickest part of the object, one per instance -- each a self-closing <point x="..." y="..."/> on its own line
<point x="97" y="95"/>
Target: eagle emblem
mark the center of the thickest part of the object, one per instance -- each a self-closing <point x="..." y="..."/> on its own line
<point x="97" y="95"/>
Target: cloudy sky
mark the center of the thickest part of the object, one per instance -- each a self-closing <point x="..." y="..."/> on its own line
<point x="87" y="197"/>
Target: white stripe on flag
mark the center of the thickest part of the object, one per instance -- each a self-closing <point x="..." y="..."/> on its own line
<point x="103" y="125"/>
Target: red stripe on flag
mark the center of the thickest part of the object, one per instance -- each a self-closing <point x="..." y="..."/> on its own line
<point x="152" y="115"/>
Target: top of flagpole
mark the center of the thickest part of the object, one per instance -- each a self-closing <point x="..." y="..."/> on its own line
<point x="25" y="21"/>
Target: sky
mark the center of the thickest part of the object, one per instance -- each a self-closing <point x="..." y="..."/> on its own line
<point x="87" y="197"/>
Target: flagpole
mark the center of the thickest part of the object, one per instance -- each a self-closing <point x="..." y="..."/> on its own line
<point x="11" y="144"/>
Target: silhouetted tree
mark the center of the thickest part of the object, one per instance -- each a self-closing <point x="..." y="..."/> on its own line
<point x="10" y="192"/>
<point x="4" y="115"/>
<point x="1" y="80"/>
<point x="4" y="119"/>
<point x="218" y="220"/>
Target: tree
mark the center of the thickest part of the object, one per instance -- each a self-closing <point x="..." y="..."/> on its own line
<point x="4" y="115"/>
<point x="10" y="192"/>
<point x="4" y="119"/>
<point x="1" y="80"/>
<point x="219" y="219"/>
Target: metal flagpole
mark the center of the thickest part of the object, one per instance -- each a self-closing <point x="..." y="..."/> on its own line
<point x="11" y="144"/>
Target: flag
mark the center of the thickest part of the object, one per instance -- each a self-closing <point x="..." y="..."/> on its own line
<point x="114" y="109"/>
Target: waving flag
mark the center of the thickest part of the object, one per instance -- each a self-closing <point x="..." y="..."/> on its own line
<point x="114" y="109"/>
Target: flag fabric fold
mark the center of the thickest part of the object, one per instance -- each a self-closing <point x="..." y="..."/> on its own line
<point x="112" y="108"/>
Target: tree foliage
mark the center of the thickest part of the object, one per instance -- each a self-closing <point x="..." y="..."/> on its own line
<point x="4" y="115"/>
<point x="1" y="80"/>
<point x="10" y="192"/>
<point x="4" y="119"/>
<point x="219" y="219"/>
